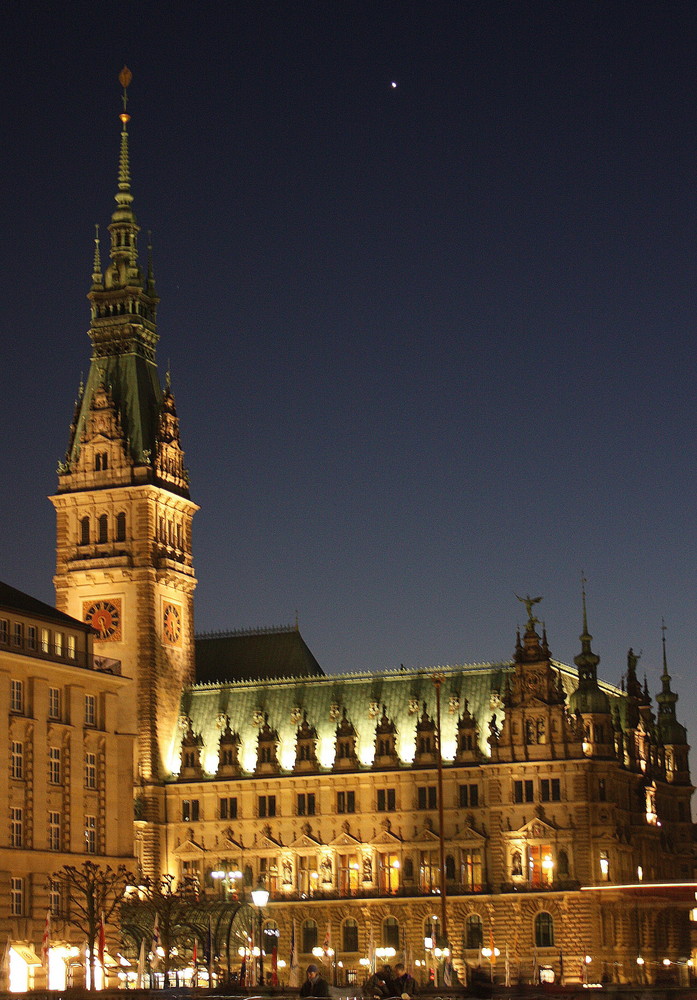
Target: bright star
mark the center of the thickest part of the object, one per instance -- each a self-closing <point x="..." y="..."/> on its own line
<point x="394" y="85"/>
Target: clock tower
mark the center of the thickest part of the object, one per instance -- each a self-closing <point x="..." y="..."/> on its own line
<point x="123" y="552"/>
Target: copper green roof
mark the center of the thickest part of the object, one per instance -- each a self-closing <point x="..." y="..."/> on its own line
<point x="403" y="692"/>
<point x="254" y="654"/>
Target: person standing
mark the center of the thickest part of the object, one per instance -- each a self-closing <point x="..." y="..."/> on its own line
<point x="314" y="985"/>
<point x="403" y="984"/>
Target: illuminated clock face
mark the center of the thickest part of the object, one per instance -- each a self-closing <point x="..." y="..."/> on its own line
<point x="104" y="617"/>
<point x="172" y="624"/>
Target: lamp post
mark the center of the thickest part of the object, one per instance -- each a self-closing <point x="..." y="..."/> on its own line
<point x="260" y="897"/>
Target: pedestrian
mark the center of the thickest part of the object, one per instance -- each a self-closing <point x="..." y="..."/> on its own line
<point x="379" y="985"/>
<point x="314" y="985"/>
<point x="403" y="985"/>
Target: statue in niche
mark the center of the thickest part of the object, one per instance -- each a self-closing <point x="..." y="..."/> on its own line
<point x="367" y="869"/>
<point x="326" y="870"/>
<point x="287" y="872"/>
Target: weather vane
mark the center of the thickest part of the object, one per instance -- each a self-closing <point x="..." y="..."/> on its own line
<point x="125" y="77"/>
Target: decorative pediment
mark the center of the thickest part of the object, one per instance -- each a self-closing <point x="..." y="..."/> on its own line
<point x="344" y="840"/>
<point x="536" y="829"/>
<point x="189" y="849"/>
<point x="267" y="842"/>
<point x="386" y="837"/>
<point x="468" y="836"/>
<point x="229" y="843"/>
<point x="306" y="842"/>
<point x="426" y="837"/>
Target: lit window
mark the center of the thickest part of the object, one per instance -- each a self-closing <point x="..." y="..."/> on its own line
<point x="71" y="647"/>
<point x="58" y="643"/>
<point x="604" y="866"/>
<point x="45" y="640"/>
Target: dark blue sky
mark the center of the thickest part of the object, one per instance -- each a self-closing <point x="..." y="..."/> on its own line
<point x="431" y="345"/>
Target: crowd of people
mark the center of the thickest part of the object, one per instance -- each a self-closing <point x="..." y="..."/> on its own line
<point x="385" y="982"/>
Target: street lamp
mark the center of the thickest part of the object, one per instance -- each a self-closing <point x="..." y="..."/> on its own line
<point x="260" y="897"/>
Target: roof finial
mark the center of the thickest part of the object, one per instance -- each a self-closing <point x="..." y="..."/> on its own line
<point x="583" y="598"/>
<point x="124" y="196"/>
<point x="125" y="77"/>
<point x="97" y="265"/>
<point x="663" y="640"/>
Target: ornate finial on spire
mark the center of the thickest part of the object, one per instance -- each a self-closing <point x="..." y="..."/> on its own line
<point x="123" y="196"/>
<point x="97" y="265"/>
<point x="663" y="640"/>
<point x="151" y="272"/>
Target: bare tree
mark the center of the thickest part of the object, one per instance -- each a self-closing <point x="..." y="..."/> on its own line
<point x="91" y="890"/>
<point x="171" y="903"/>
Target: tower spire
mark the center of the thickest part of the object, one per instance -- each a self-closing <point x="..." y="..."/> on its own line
<point x="124" y="228"/>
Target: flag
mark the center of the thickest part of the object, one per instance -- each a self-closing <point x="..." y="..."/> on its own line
<point x="46" y="939"/>
<point x="274" y="964"/>
<point x="141" y="965"/>
<point x="194" y="954"/>
<point x="447" y="972"/>
<point x="101" y="939"/>
<point x="293" y="963"/>
<point x="155" y="944"/>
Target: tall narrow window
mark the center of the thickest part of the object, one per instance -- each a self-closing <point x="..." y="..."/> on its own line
<point x="16" y="827"/>
<point x="58" y="643"/>
<point x="54" y="831"/>
<point x="103" y="528"/>
<point x="54" y="703"/>
<point x="4" y="631"/>
<point x="70" y="647"/>
<point x="544" y="930"/>
<point x="90" y="834"/>
<point x="54" y="765"/>
<point x="45" y="640"/>
<point x="17" y="760"/>
<point x="16" y="696"/>
<point x="85" y="531"/>
<point x="16" y="896"/>
<point x="121" y="527"/>
<point x="90" y="710"/>
<point x="17" y="633"/>
<point x="90" y="770"/>
<point x="32" y="633"/>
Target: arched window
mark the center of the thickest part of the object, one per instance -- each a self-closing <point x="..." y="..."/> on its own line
<point x="309" y="936"/>
<point x="474" y="931"/>
<point x="103" y="528"/>
<point x="349" y="935"/>
<point x="390" y="933"/>
<point x="121" y="527"/>
<point x="544" y="930"/>
<point x="85" y="531"/>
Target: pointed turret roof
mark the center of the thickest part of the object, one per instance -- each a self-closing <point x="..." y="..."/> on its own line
<point x="668" y="726"/>
<point x="124" y="337"/>
<point x="588" y="698"/>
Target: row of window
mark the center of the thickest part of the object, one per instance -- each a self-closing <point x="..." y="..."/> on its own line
<point x="549" y="790"/>
<point x="55" y="835"/>
<point x="306" y="802"/>
<point x="102" y="525"/>
<point x="55" y="765"/>
<point x="31" y="638"/>
<point x="18" y="702"/>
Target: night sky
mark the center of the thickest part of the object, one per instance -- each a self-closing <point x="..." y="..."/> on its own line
<point x="432" y="345"/>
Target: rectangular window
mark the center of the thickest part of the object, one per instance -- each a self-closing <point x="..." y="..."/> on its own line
<point x="469" y="796"/>
<point x="71" y="646"/>
<point x="190" y="811"/>
<point x="54" y="831"/>
<point x="58" y="643"/>
<point x="427" y="797"/>
<point x="16" y="827"/>
<point x="17" y="760"/>
<point x="90" y="710"/>
<point x="266" y="806"/>
<point x="54" y="765"/>
<point x="4" y="631"/>
<point x="32" y="634"/>
<point x="523" y="791"/>
<point x="17" y="633"/>
<point x="16" y="696"/>
<point x="90" y="770"/>
<point x="45" y="640"/>
<point x="90" y="834"/>
<point x="228" y="808"/>
<point x="306" y="804"/>
<point x="550" y="790"/>
<point x="54" y="703"/>
<point x="386" y="800"/>
<point x="55" y="898"/>
<point x="346" y="802"/>
<point x="16" y="896"/>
